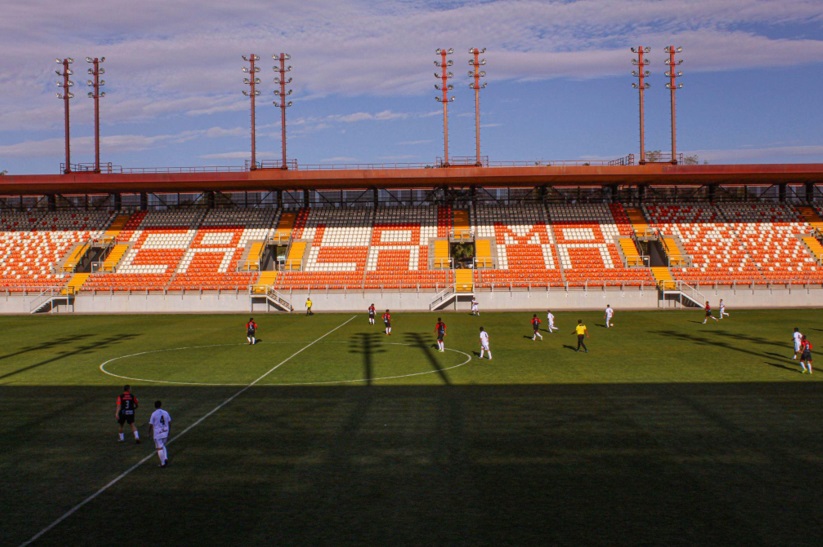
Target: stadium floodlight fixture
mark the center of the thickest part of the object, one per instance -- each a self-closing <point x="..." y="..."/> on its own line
<point x="66" y="95"/>
<point x="476" y="62"/>
<point x="444" y="99"/>
<point x="252" y="81"/>
<point x="96" y="83"/>
<point x="641" y="85"/>
<point x="672" y="85"/>
<point x="281" y="94"/>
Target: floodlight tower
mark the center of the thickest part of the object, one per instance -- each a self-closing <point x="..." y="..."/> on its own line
<point x="282" y="94"/>
<point x="672" y="86"/>
<point x="96" y="83"/>
<point x="66" y="95"/>
<point x="476" y="73"/>
<point x="641" y="86"/>
<point x="445" y="87"/>
<point x="252" y="82"/>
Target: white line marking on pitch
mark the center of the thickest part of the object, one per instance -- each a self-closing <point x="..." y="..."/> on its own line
<point x="117" y="479"/>
<point x="102" y="368"/>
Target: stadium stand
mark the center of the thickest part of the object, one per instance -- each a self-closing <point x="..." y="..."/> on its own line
<point x="158" y="240"/>
<point x="75" y="284"/>
<point x="586" y="237"/>
<point x="738" y="243"/>
<point x="222" y="248"/>
<point x="638" y="221"/>
<point x="461" y="229"/>
<point x="772" y="236"/>
<point x="386" y="247"/>
<point x="441" y="255"/>
<point x="33" y="244"/>
<point x="483" y="253"/>
<point x="525" y="246"/>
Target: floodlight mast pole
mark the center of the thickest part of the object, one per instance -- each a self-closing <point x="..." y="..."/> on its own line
<point x="282" y="94"/>
<point x="252" y="82"/>
<point x="641" y="86"/>
<point x="96" y="70"/>
<point x="673" y="86"/>
<point x="445" y="87"/>
<point x="476" y="73"/>
<point x="66" y="95"/>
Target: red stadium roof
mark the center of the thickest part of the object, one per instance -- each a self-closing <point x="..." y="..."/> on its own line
<point x="659" y="174"/>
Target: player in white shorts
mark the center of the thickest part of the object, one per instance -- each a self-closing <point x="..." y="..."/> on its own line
<point x="159" y="427"/>
<point x="550" y="321"/>
<point x="797" y="337"/>
<point x="723" y="309"/>
<point x="484" y="343"/>
<point x="475" y="307"/>
<point x="608" y="315"/>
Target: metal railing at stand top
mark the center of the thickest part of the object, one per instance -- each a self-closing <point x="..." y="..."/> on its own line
<point x="292" y="165"/>
<point x="110" y="169"/>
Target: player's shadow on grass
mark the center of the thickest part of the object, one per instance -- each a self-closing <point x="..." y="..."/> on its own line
<point x="709" y="341"/>
<point x="750" y="338"/>
<point x="366" y="343"/>
<point x="781" y="365"/>
<point x="567" y="346"/>
<point x="416" y="339"/>
<point x="89" y="346"/>
<point x="45" y="345"/>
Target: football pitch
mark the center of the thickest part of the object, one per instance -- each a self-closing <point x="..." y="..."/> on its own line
<point x="329" y="432"/>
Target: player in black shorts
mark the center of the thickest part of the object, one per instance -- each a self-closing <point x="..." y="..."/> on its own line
<point x="251" y="329"/>
<point x="440" y="330"/>
<point x="126" y="411"/>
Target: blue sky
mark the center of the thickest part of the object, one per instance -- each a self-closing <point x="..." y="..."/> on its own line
<point x="558" y="74"/>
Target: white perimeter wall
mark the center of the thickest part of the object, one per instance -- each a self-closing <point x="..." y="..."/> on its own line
<point x="336" y="301"/>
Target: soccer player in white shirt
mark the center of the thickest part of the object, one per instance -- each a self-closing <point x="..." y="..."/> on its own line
<point x="484" y="343"/>
<point x="723" y="309"/>
<point x="159" y="427"/>
<point x="797" y="337"/>
<point x="550" y="321"/>
<point x="608" y="315"/>
<point x="475" y="307"/>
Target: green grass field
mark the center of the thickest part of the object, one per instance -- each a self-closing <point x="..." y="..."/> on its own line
<point x="328" y="432"/>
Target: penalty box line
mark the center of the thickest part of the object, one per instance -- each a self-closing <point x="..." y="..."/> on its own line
<point x="128" y="471"/>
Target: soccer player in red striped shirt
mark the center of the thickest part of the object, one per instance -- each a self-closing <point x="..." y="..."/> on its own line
<point x="536" y="328"/>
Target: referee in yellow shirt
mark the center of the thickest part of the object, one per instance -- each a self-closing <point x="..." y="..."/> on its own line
<point x="582" y="333"/>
